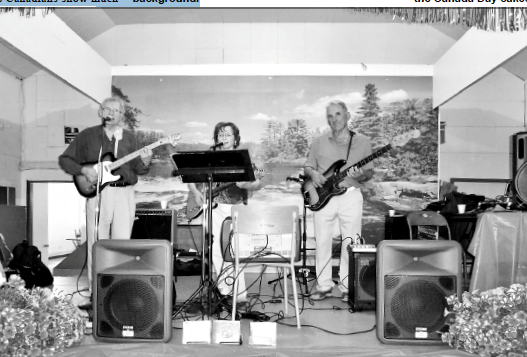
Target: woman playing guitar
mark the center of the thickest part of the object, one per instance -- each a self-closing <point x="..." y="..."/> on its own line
<point x="226" y="137"/>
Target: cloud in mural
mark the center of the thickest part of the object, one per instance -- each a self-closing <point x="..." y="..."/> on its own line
<point x="198" y="137"/>
<point x="318" y="108"/>
<point x="300" y="94"/>
<point x="165" y="121"/>
<point x="261" y="116"/>
<point x="195" y="124"/>
<point x="393" y="96"/>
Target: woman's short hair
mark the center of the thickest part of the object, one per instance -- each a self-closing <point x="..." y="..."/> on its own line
<point x="221" y="126"/>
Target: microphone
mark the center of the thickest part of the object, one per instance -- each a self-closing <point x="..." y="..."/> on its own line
<point x="214" y="147"/>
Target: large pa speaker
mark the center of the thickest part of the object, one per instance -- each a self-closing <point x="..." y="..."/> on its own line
<point x="362" y="289"/>
<point x="132" y="290"/>
<point x="518" y="152"/>
<point x="414" y="277"/>
<point x="155" y="224"/>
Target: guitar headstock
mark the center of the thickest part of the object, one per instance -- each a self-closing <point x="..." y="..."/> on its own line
<point x="404" y="138"/>
<point x="171" y="139"/>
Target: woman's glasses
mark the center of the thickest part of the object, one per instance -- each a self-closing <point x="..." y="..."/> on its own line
<point x="224" y="136"/>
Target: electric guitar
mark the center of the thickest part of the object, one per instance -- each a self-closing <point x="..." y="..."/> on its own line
<point x="194" y="210"/>
<point x="109" y="164"/>
<point x="315" y="198"/>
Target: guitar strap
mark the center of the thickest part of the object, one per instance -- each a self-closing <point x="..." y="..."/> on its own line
<point x="352" y="133"/>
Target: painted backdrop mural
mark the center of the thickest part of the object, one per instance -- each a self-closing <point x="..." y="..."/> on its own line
<point x="278" y="117"/>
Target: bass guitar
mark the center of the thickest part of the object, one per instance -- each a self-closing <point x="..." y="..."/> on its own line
<point x="315" y="198"/>
<point x="109" y="164"/>
<point x="194" y="210"/>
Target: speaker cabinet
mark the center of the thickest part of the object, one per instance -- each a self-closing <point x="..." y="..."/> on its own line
<point x="518" y="151"/>
<point x="189" y="238"/>
<point x="132" y="290"/>
<point x="414" y="277"/>
<point x="155" y="224"/>
<point x="362" y="269"/>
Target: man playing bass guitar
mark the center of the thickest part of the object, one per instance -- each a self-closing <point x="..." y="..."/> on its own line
<point x="226" y="137"/>
<point x="344" y="210"/>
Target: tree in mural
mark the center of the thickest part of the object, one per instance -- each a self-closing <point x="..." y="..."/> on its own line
<point x="130" y="113"/>
<point x="287" y="144"/>
<point x="418" y="156"/>
<point x="369" y="112"/>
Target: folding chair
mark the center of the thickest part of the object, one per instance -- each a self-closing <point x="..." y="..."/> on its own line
<point x="430" y="218"/>
<point x="272" y="225"/>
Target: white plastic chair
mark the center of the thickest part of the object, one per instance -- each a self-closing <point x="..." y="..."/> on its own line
<point x="266" y="220"/>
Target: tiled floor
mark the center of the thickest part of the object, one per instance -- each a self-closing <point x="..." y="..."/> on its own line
<point x="329" y="328"/>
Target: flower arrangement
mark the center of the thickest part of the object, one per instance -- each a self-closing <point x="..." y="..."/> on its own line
<point x="491" y="323"/>
<point x="35" y="323"/>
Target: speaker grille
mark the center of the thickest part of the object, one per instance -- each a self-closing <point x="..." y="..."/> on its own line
<point x="414" y="305"/>
<point x="367" y="280"/>
<point x="131" y="306"/>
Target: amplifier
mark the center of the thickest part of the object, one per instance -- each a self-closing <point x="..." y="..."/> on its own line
<point x="155" y="224"/>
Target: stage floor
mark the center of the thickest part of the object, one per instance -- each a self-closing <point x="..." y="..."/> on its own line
<point x="329" y="328"/>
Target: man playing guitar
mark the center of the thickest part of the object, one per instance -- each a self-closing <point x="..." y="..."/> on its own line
<point x="117" y="201"/>
<point x="344" y="210"/>
<point x="226" y="137"/>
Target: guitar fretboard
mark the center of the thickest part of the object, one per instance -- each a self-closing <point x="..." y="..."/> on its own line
<point x="125" y="159"/>
<point x="341" y="175"/>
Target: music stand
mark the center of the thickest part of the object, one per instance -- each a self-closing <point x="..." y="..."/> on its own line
<point x="208" y="167"/>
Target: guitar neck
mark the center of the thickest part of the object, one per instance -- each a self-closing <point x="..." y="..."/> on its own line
<point x="118" y="163"/>
<point x="217" y="190"/>
<point x="341" y="175"/>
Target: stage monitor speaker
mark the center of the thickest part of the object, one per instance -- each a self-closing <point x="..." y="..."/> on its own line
<point x="132" y="290"/>
<point x="518" y="152"/>
<point x="414" y="277"/>
<point x="155" y="224"/>
<point x="362" y="269"/>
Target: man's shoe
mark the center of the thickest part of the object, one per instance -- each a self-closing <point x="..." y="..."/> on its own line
<point x="321" y="295"/>
<point x="345" y="297"/>
<point x="86" y="306"/>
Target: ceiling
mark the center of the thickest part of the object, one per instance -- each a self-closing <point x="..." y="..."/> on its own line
<point x="89" y="23"/>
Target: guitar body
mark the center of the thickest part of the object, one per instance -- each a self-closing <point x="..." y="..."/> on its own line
<point x="89" y="189"/>
<point x="194" y="210"/>
<point x="315" y="198"/>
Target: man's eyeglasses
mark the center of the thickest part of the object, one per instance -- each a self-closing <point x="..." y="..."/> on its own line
<point x="224" y="136"/>
<point x="110" y="110"/>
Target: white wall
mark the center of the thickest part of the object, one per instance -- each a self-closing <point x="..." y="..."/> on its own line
<point x="271" y="43"/>
<point x="50" y="105"/>
<point x="66" y="214"/>
<point x="11" y="104"/>
<point x="479" y="123"/>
